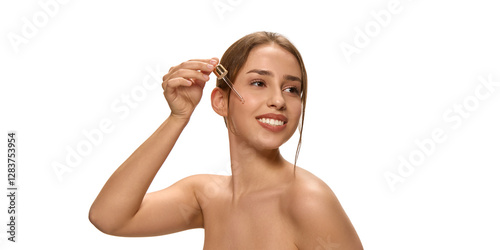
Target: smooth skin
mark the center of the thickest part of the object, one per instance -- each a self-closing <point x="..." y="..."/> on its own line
<point x="263" y="205"/>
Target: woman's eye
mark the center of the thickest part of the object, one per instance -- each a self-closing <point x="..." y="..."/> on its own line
<point x="292" y="90"/>
<point x="257" y="83"/>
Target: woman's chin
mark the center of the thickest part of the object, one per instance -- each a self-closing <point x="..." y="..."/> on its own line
<point x="269" y="144"/>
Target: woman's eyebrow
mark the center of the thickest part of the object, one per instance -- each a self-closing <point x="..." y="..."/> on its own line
<point x="269" y="73"/>
<point x="261" y="72"/>
<point x="292" y="78"/>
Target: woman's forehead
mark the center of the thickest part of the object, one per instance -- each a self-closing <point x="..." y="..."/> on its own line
<point x="274" y="58"/>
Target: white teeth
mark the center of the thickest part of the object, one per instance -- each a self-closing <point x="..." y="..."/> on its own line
<point x="271" y="121"/>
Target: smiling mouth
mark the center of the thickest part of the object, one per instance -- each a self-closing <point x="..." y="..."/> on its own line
<point x="271" y="122"/>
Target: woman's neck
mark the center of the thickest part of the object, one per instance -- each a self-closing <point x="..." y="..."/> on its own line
<point x="254" y="170"/>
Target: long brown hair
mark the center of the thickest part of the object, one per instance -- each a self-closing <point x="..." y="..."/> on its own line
<point x="236" y="55"/>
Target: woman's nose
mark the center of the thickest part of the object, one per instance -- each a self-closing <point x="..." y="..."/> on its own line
<point x="276" y="99"/>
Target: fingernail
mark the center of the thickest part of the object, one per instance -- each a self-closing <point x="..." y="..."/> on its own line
<point x="206" y="77"/>
<point x="210" y="66"/>
<point x="213" y="61"/>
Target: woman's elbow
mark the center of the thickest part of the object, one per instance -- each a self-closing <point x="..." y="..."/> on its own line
<point x="101" y="222"/>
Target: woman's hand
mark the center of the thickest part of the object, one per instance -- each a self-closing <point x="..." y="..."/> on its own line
<point x="183" y="85"/>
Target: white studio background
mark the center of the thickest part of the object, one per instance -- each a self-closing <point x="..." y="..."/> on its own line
<point x="390" y="81"/>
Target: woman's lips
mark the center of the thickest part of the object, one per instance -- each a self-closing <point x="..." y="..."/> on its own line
<point x="272" y="122"/>
<point x="273" y="128"/>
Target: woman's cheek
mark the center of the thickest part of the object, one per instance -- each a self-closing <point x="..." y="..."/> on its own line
<point x="296" y="110"/>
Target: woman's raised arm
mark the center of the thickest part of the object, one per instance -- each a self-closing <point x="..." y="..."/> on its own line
<point x="122" y="207"/>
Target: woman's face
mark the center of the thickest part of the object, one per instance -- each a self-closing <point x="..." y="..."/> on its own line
<point x="270" y="83"/>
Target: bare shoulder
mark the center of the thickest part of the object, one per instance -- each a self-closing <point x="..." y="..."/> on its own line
<point x="318" y="218"/>
<point x="203" y="178"/>
<point x="200" y="179"/>
<point x="208" y="185"/>
<point x="205" y="182"/>
<point x="310" y="193"/>
<point x="307" y="183"/>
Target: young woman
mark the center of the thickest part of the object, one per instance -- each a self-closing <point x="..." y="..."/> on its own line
<point x="267" y="202"/>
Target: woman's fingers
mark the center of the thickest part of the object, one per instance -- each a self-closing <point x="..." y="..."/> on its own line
<point x="213" y="60"/>
<point x="185" y="78"/>
<point x="209" y="64"/>
<point x="206" y="65"/>
<point x="197" y="70"/>
<point x="188" y="73"/>
<point x="183" y="84"/>
<point x="177" y="82"/>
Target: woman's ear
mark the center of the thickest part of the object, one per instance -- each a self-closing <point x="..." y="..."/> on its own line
<point x="219" y="101"/>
